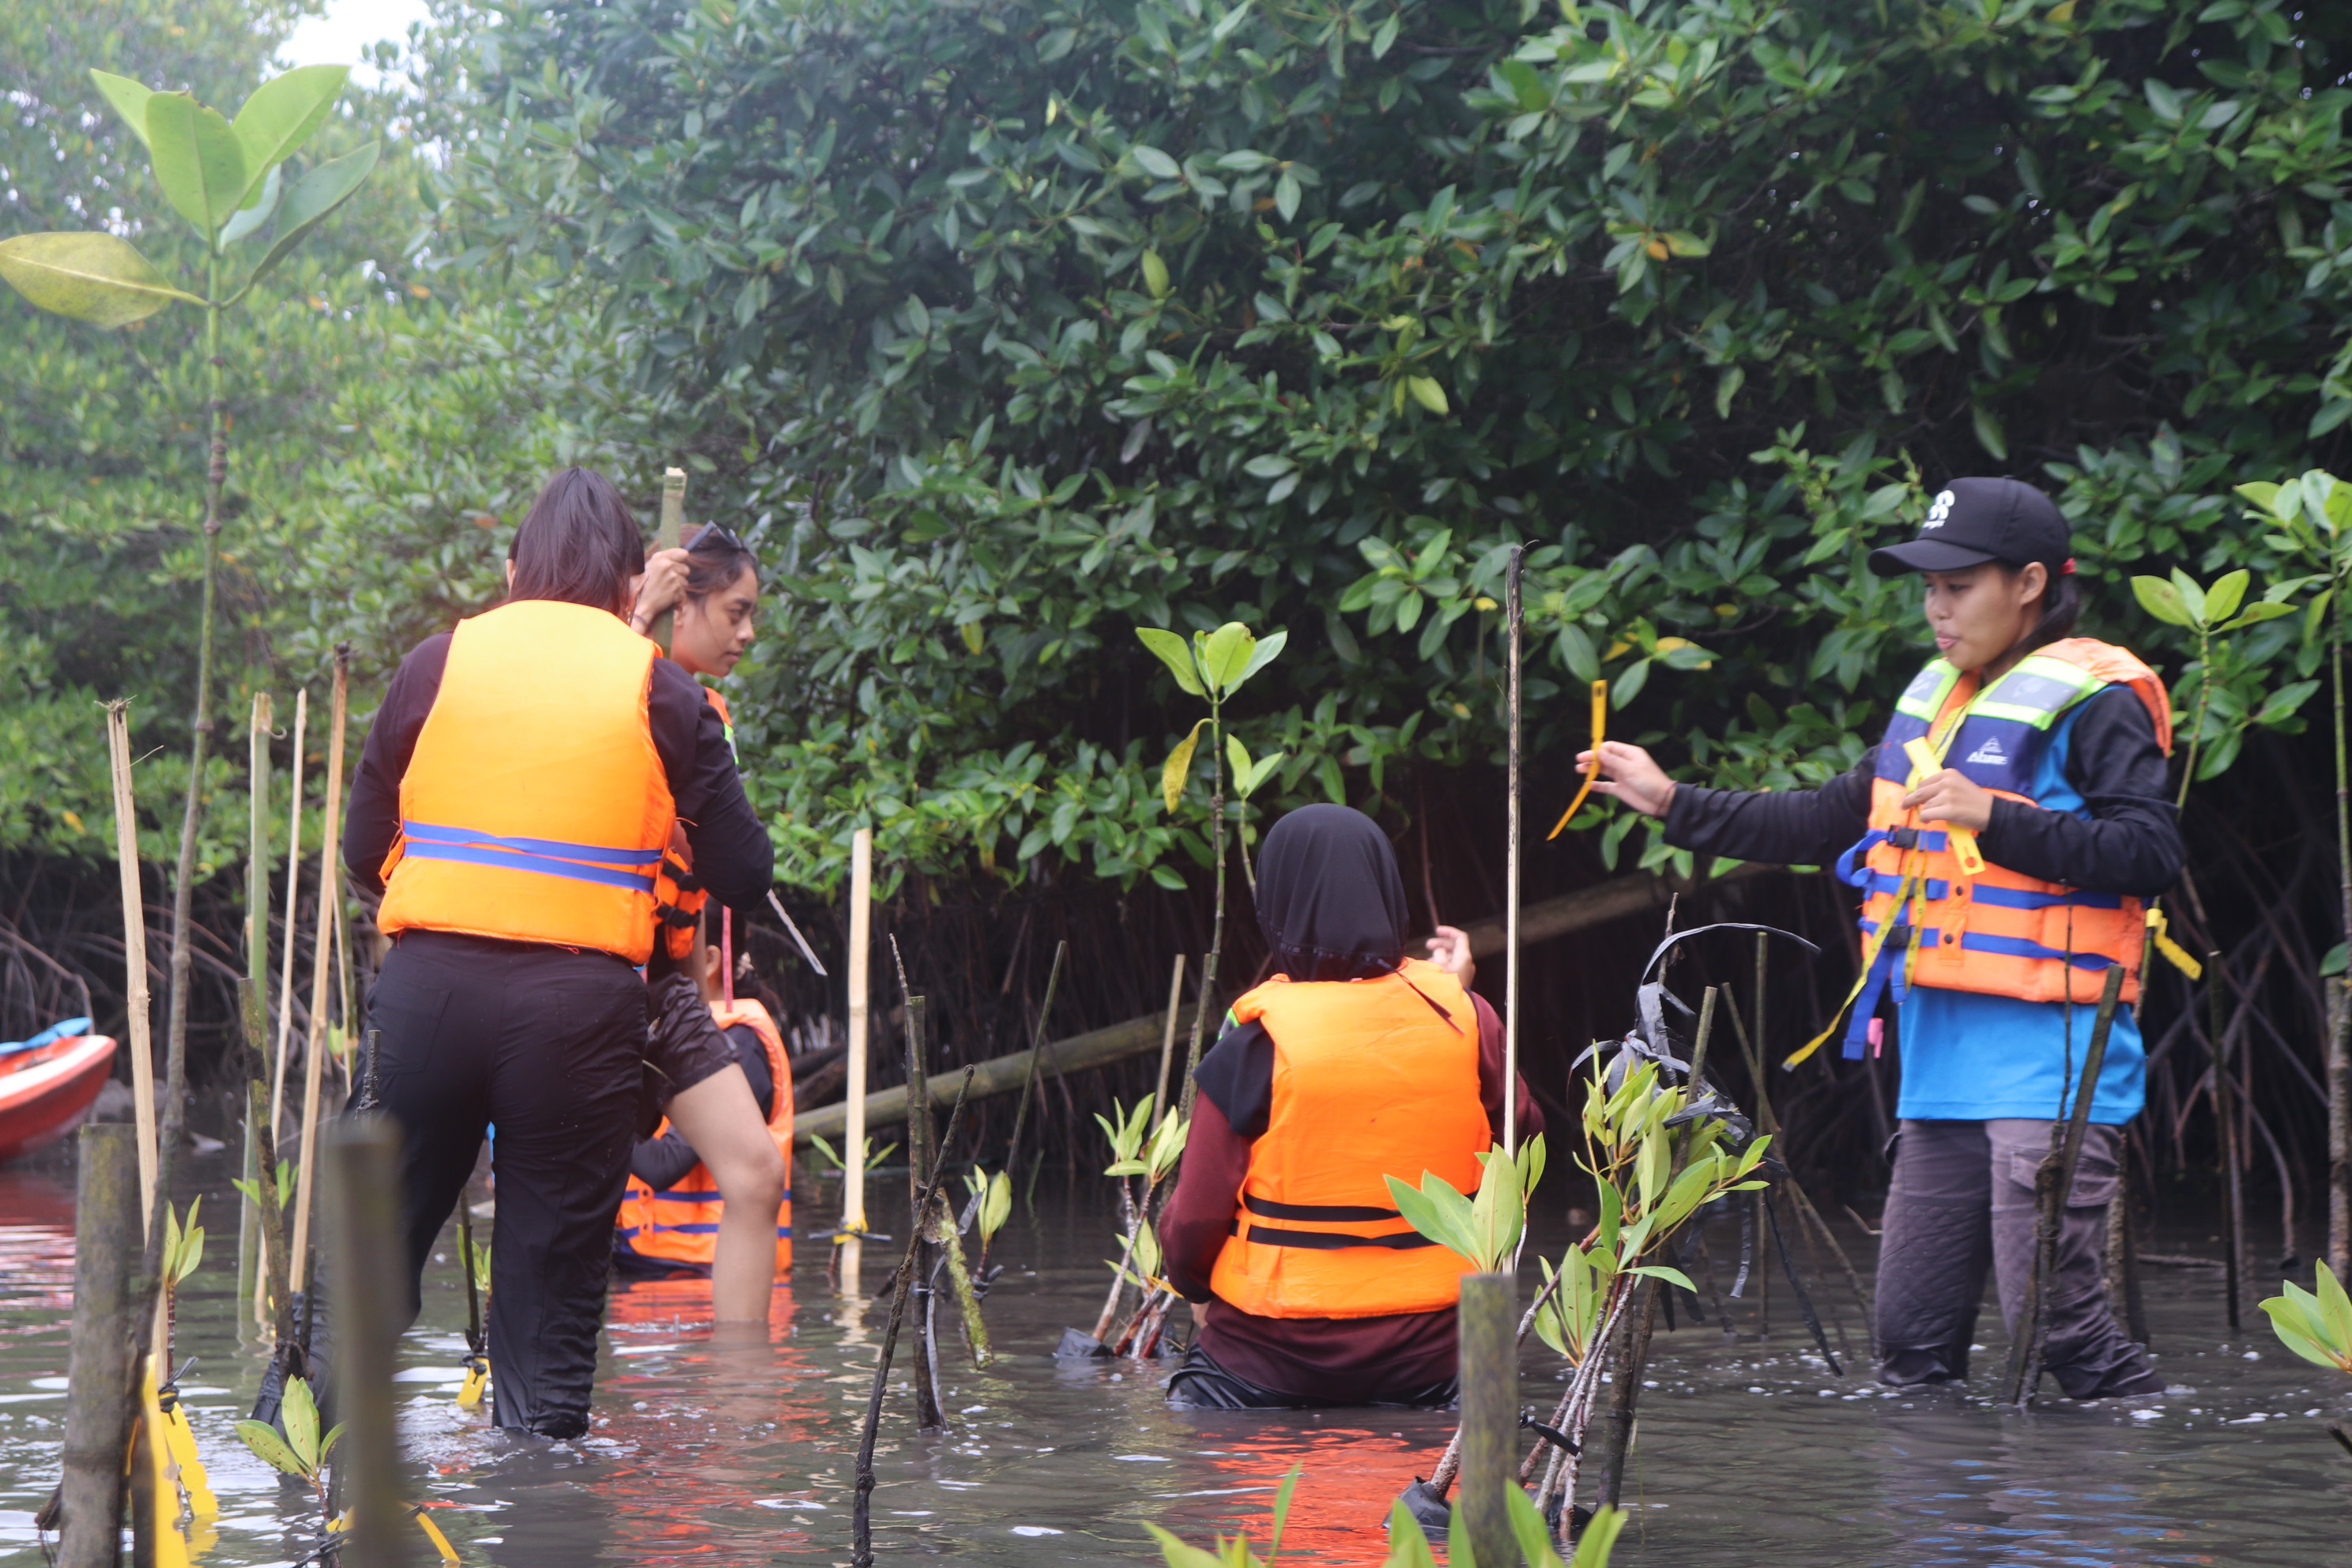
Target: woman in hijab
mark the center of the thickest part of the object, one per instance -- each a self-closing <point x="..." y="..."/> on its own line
<point x="1351" y="1063"/>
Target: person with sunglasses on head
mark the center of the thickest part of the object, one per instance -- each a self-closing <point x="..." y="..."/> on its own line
<point x="708" y="1189"/>
<point x="2005" y="834"/>
<point x="517" y="791"/>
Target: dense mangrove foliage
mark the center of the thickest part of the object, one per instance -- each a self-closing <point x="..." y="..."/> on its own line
<point x="1002" y="328"/>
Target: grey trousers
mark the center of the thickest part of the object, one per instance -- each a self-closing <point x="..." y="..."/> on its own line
<point x="1962" y="1200"/>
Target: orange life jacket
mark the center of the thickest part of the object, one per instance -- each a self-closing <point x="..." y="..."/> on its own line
<point x="1369" y="1081"/>
<point x="535" y="807"/>
<point x="1995" y="931"/>
<point x="680" y="1223"/>
<point x="678" y="894"/>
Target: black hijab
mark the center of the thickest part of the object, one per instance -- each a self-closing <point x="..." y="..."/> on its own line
<point x="1328" y="896"/>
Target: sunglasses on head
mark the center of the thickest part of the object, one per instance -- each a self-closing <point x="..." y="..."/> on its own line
<point x="715" y="536"/>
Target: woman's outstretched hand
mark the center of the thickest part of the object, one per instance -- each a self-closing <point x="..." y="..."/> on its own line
<point x="1449" y="951"/>
<point x="1629" y="773"/>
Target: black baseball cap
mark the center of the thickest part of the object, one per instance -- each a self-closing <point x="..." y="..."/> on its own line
<point x="1971" y="521"/>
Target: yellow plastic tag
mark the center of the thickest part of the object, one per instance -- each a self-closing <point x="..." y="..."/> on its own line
<point x="478" y="1373"/>
<point x="181" y="1440"/>
<point x="1600" y="731"/>
<point x="2174" y="953"/>
<point x="171" y="1549"/>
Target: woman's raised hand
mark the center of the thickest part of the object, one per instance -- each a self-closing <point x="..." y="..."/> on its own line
<point x="1449" y="951"/>
<point x="661" y="587"/>
<point x="1629" y="773"/>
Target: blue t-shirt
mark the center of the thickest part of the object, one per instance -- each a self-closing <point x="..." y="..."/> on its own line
<point x="1972" y="1057"/>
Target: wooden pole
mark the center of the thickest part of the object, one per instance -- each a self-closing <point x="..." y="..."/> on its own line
<point x="667" y="536"/>
<point x="100" y="1360"/>
<point x="365" y="1155"/>
<point x="293" y="888"/>
<point x="256" y="967"/>
<point x="135" y="951"/>
<point x="2053" y="1182"/>
<point x="861" y="1506"/>
<point x="1168" y="1041"/>
<point x="1490" y="1412"/>
<point x="1511" y="895"/>
<point x="852" y="1141"/>
<point x="315" y="1051"/>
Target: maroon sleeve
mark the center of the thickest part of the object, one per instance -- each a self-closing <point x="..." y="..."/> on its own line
<point x="1199" y="1213"/>
<point x="1490" y="1076"/>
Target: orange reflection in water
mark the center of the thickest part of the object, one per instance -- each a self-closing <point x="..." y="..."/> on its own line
<point x="1351" y="1468"/>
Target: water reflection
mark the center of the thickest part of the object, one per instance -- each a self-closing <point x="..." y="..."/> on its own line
<point x="724" y="1451"/>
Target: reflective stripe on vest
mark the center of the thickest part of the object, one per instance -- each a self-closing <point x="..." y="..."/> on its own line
<point x="534" y="806"/>
<point x="1999" y="932"/>
<point x="679" y="1224"/>
<point x="1371" y="1078"/>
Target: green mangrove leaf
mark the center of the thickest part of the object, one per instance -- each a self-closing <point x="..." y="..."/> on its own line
<point x="2228" y="592"/>
<point x="129" y="101"/>
<point x="315" y="194"/>
<point x="299" y="1415"/>
<point x="281" y="115"/>
<point x="92" y="278"/>
<point x="1177" y="655"/>
<point x="269" y="1447"/>
<point x="1224" y="653"/>
<point x="249" y="219"/>
<point x="1527" y="1526"/>
<point x="1268" y="648"/>
<point x="198" y="161"/>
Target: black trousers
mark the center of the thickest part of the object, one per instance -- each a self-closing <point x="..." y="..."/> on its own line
<point x="1962" y="1202"/>
<point x="547" y="1043"/>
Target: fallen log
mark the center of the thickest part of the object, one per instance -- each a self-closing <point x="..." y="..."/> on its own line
<point x="1613" y="900"/>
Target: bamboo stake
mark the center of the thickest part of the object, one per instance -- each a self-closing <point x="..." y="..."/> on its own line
<point x="100" y="1361"/>
<point x="134" y="952"/>
<point x="2053" y="1182"/>
<point x="315" y="1051"/>
<point x="257" y="965"/>
<point x="671" y="528"/>
<point x="1511" y="896"/>
<point x="1168" y="1041"/>
<point x="853" y="1138"/>
<point x="293" y="888"/>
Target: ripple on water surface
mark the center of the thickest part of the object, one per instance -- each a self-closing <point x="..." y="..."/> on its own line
<point x="706" y="1452"/>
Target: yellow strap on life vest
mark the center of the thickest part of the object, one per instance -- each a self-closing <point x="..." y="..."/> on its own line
<point x="1925" y="754"/>
<point x="1963" y="840"/>
<point x="2176" y="955"/>
<point x="1600" y="730"/>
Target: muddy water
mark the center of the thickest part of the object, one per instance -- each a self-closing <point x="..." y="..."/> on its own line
<point x="1751" y="1452"/>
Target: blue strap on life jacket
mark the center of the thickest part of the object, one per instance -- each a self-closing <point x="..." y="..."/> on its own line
<point x="547" y="857"/>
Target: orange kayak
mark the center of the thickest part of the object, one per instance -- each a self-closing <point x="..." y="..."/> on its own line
<point x="44" y="1091"/>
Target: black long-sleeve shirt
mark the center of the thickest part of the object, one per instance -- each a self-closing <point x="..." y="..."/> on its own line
<point x="2129" y="843"/>
<point x="732" y="856"/>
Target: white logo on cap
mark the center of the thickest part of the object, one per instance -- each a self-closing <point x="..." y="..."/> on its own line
<point x="1940" y="509"/>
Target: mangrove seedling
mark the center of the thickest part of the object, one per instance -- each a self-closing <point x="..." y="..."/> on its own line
<point x="1138" y="1149"/>
<point x="299" y="1450"/>
<point x="992" y="1203"/>
<point x="2313" y="514"/>
<point x="834" y="1157"/>
<point x="1484" y="1230"/>
<point x="1211" y="666"/>
<point x="226" y="178"/>
<point x="2315" y="1325"/>
<point x="1248" y="776"/>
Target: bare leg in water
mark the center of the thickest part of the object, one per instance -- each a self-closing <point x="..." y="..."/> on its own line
<point x="721" y="1118"/>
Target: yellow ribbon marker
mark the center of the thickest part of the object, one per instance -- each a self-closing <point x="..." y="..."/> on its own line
<point x="180" y="1440"/>
<point x="2176" y="954"/>
<point x="1600" y="730"/>
<point x="433" y="1533"/>
<point x="1925" y="762"/>
<point x="171" y="1549"/>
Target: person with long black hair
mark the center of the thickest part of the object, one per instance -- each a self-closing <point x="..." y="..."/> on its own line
<point x="2004" y="835"/>
<point x="1351" y="1063"/>
<point x="517" y="791"/>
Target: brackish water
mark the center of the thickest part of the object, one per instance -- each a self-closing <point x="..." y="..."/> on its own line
<point x="1750" y="1453"/>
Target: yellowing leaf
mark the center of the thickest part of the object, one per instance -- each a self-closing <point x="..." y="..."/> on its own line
<point x="1179" y="767"/>
<point x="974" y="637"/>
<point x="1428" y="393"/>
<point x="1155" y="275"/>
<point x="93" y="277"/>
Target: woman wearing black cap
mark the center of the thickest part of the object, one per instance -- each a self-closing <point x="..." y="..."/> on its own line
<point x="1352" y="1063"/>
<point x="2003" y="834"/>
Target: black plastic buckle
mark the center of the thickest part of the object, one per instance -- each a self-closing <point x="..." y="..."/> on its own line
<point x="1903" y="838"/>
